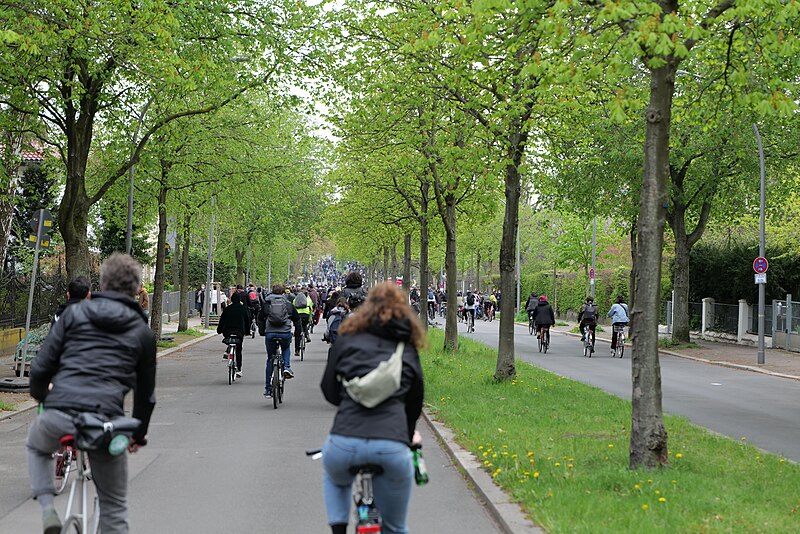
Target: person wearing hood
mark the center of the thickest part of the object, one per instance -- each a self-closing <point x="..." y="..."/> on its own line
<point x="98" y="350"/>
<point x="335" y="317"/>
<point x="374" y="425"/>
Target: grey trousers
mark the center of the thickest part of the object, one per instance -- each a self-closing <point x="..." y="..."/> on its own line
<point x="110" y="473"/>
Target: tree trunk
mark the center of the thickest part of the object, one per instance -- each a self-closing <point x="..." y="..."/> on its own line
<point x="407" y="262"/>
<point x="385" y="263"/>
<point x="11" y="167"/>
<point x="506" y="369"/>
<point x="632" y="282"/>
<point x="451" y="267"/>
<point x="648" y="447"/>
<point x="423" y="255"/>
<point x="158" y="284"/>
<point x="478" y="271"/>
<point x="73" y="218"/>
<point x="239" y="255"/>
<point x="176" y="260"/>
<point x="183" y="320"/>
<point x="393" y="272"/>
<point x="680" y="282"/>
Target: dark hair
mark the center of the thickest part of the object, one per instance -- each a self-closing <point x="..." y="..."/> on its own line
<point x="79" y="288"/>
<point x="121" y="272"/>
<point x="620" y="299"/>
<point x="354" y="280"/>
<point x="385" y="303"/>
<point x="235" y="298"/>
<point x="278" y="289"/>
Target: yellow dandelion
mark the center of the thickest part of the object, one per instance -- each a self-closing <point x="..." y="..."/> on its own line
<point x="530" y="454"/>
<point x="558" y="464"/>
<point x="645" y="506"/>
<point x="572" y="459"/>
<point x="658" y="492"/>
<point x="610" y="445"/>
<point x="480" y="447"/>
<point x="636" y="486"/>
<point x="570" y="466"/>
<point x="536" y="474"/>
<point x="513" y="455"/>
<point x="494" y="455"/>
<point x="679" y="455"/>
<point x="674" y="481"/>
<point x="744" y="438"/>
<point x="649" y="480"/>
<point x="526" y="473"/>
<point x="782" y="461"/>
<point x="662" y="499"/>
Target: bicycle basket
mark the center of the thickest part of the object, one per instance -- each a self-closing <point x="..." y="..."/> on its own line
<point x="94" y="431"/>
<point x="618" y="328"/>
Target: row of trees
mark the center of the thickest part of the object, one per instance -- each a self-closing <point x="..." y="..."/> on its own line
<point x="192" y="100"/>
<point x="638" y="112"/>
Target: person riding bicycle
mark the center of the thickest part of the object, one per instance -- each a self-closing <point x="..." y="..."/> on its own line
<point x="275" y="323"/>
<point x="253" y="300"/>
<point x="619" y="317"/>
<point x="235" y="321"/>
<point x="587" y="316"/>
<point x="353" y="291"/>
<point x="302" y="304"/>
<point x="379" y="427"/>
<point x="531" y="305"/>
<point x="470" y="301"/>
<point x="487" y="304"/>
<point x="98" y="350"/>
<point x="543" y="316"/>
<point x="431" y="302"/>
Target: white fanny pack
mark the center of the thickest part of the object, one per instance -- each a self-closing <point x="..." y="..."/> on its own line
<point x="379" y="384"/>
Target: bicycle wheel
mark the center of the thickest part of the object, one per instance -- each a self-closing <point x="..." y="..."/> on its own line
<point x="586" y="353"/>
<point x="620" y="347"/>
<point x="546" y="343"/>
<point x="530" y="328"/>
<point x="72" y="525"/>
<point x="276" y="384"/>
<point x="539" y="340"/>
<point x="231" y="370"/>
<point x="64" y="466"/>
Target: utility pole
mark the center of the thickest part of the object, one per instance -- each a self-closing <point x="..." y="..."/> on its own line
<point x="761" y="251"/>
<point x="594" y="255"/>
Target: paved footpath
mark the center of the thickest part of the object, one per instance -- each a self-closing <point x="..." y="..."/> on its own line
<point x="221" y="459"/>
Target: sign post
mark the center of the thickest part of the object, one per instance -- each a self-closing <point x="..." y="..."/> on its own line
<point x="42" y="224"/>
<point x="760" y="266"/>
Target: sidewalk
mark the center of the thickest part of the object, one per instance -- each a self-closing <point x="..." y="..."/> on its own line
<point x="778" y="362"/>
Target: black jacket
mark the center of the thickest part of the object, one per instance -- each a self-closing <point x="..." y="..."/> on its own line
<point x="235" y="319"/>
<point x="97" y="351"/>
<point x="357" y="354"/>
<point x="544" y="314"/>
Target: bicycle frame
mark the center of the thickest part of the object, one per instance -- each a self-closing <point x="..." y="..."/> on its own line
<point x="80" y="484"/>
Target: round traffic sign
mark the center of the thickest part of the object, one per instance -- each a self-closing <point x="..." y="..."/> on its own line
<point x="760" y="265"/>
<point x="591" y="274"/>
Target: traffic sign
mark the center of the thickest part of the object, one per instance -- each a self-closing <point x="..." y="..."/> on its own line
<point x="761" y="278"/>
<point x="591" y="274"/>
<point x="760" y="265"/>
<point x="41" y="225"/>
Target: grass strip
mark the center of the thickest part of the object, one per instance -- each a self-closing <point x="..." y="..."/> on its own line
<point x="560" y="448"/>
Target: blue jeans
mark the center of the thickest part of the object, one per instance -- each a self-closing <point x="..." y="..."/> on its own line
<point x="285" y="340"/>
<point x="392" y="488"/>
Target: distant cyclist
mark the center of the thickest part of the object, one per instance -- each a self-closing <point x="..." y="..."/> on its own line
<point x="235" y="321"/>
<point x="531" y="305"/>
<point x="303" y="305"/>
<point x="543" y="316"/>
<point x="470" y="301"/>
<point x="619" y="317"/>
<point x="275" y="321"/>
<point x="353" y="290"/>
<point x="587" y="316"/>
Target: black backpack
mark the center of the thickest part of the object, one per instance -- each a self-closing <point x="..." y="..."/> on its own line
<point x="590" y="313"/>
<point x="471" y="299"/>
<point x="278" y="312"/>
<point x="355" y="297"/>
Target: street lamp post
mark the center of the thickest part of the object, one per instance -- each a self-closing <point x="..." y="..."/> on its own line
<point x="594" y="256"/>
<point x="209" y="264"/>
<point x="761" y="251"/>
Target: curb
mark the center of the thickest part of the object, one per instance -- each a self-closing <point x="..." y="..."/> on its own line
<point x="29" y="405"/>
<point x="507" y="514"/>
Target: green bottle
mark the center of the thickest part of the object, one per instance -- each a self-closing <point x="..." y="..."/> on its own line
<point x="420" y="470"/>
<point x="118" y="445"/>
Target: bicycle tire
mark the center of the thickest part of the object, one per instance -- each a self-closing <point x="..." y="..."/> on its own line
<point x="230" y="373"/>
<point x="530" y="328"/>
<point x="539" y="341"/>
<point x="276" y="384"/>
<point x="64" y="467"/>
<point x="620" y="348"/>
<point x="546" y="342"/>
<point x="72" y="525"/>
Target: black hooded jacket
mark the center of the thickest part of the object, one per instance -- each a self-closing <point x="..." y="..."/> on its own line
<point x="357" y="354"/>
<point x="97" y="351"/>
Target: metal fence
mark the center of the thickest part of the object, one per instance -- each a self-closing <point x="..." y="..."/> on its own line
<point x="781" y="322"/>
<point x="752" y="324"/>
<point x="726" y="318"/>
<point x="171" y="302"/>
<point x="49" y="293"/>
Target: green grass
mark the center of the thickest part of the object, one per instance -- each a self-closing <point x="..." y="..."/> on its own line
<point x="166" y="344"/>
<point x="4" y="406"/>
<point x="560" y="448"/>
<point x="577" y="329"/>
<point x="669" y="343"/>
<point x="561" y="323"/>
<point x="190" y="332"/>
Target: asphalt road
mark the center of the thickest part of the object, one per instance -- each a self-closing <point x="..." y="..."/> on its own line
<point x="762" y="409"/>
<point x="221" y="459"/>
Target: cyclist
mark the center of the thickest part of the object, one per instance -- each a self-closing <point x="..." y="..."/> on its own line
<point x="353" y="290"/>
<point x="380" y="428"/>
<point x="431" y="302"/>
<point x="493" y="299"/>
<point x="253" y="300"/>
<point x="619" y="317"/>
<point x="587" y="316"/>
<point x="275" y="321"/>
<point x="469" y="305"/>
<point x="302" y="304"/>
<point x="543" y="316"/>
<point x="77" y="290"/>
<point x="94" y="354"/>
<point x="531" y="304"/>
<point x="487" y="305"/>
<point x="235" y="320"/>
<point x="335" y="318"/>
<point x="460" y="305"/>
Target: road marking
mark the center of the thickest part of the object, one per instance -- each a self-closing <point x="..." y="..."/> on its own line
<point x="715" y="384"/>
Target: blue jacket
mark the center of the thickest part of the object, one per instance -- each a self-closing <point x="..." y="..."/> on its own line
<point x="618" y="313"/>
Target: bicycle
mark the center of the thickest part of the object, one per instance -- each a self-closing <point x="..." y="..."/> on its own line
<point x="302" y="350"/>
<point x="230" y="356"/>
<point x="431" y="310"/>
<point x="588" y="345"/>
<point x="531" y="324"/>
<point x="470" y="321"/>
<point x="65" y="465"/>
<point x="278" y="381"/>
<point x="619" y="330"/>
<point x="544" y="338"/>
<point x="81" y="522"/>
<point x="253" y="327"/>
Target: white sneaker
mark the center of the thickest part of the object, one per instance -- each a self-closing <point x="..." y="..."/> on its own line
<point x="613" y="352"/>
<point x="238" y="374"/>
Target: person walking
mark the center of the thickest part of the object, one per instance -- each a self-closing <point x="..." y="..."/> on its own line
<point x="98" y="350"/>
<point x="374" y="425"/>
<point x="144" y="300"/>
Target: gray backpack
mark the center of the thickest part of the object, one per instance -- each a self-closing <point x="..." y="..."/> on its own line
<point x="278" y="312"/>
